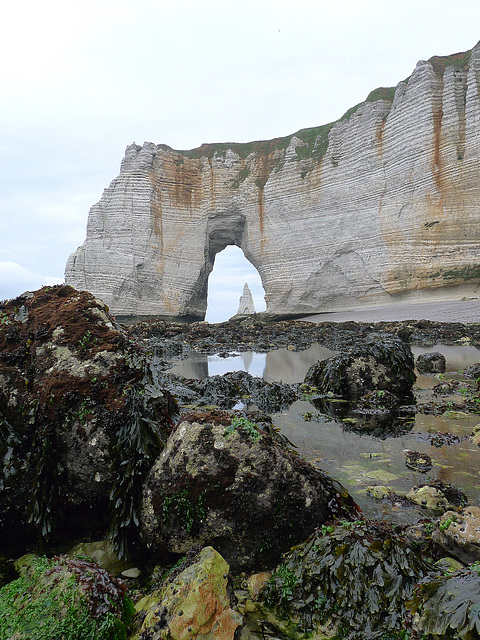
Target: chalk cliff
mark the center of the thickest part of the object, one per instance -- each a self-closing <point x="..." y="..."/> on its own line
<point x="382" y="205"/>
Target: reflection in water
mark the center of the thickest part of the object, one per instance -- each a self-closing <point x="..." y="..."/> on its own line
<point x="280" y="365"/>
<point x="202" y="366"/>
<point x="291" y="366"/>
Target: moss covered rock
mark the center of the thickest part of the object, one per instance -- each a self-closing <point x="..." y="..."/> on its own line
<point x="63" y="599"/>
<point x="195" y="604"/>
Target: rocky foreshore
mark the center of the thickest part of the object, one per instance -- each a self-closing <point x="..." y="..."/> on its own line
<point x="138" y="504"/>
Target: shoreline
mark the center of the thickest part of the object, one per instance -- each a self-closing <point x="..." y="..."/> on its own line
<point x="463" y="311"/>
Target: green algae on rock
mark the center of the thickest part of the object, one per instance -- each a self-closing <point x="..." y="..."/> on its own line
<point x="64" y="599"/>
<point x="195" y="604"/>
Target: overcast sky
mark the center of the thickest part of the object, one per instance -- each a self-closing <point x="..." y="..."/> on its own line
<point x="82" y="80"/>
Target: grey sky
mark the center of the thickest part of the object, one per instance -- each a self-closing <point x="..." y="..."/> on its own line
<point x="81" y="81"/>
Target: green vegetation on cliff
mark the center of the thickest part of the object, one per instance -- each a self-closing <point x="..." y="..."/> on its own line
<point x="315" y="139"/>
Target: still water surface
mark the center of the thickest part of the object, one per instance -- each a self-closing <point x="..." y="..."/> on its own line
<point x="359" y="461"/>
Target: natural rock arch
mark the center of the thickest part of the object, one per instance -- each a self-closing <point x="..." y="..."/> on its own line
<point x="378" y="206"/>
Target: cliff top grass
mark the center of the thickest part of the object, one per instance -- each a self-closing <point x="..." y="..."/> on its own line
<point x="315" y="138"/>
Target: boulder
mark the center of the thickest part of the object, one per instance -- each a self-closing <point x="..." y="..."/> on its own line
<point x="433" y="362"/>
<point x="429" y="498"/>
<point x="195" y="604"/>
<point x="81" y="420"/>
<point x="382" y="362"/>
<point x="224" y="482"/>
<point x="459" y="534"/>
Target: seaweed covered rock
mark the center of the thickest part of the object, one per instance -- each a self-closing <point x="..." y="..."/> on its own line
<point x="66" y="598"/>
<point x="81" y="421"/>
<point x="433" y="362"/>
<point x="447" y="606"/>
<point x="224" y="482"/>
<point x="355" y="576"/>
<point x="417" y="461"/>
<point x="382" y="362"/>
<point x="194" y="604"/>
<point x="225" y="391"/>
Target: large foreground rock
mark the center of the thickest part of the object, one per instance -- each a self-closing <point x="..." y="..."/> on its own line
<point x="80" y="420"/>
<point x="224" y="483"/>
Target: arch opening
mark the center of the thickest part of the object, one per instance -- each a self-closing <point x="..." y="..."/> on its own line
<point x="231" y="270"/>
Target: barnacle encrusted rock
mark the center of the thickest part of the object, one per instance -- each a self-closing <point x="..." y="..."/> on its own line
<point x="459" y="534"/>
<point x="383" y="203"/>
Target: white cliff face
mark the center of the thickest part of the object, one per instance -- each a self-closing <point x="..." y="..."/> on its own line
<point x="388" y="205"/>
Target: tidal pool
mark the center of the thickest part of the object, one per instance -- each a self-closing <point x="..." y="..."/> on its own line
<point x="361" y="460"/>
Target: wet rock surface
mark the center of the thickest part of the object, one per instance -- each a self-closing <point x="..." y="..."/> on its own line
<point x="433" y="362"/>
<point x="87" y="406"/>
<point x="227" y="483"/>
<point x="195" y="604"/>
<point x="78" y="408"/>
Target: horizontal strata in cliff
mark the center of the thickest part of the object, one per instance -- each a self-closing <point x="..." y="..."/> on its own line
<point x="383" y="203"/>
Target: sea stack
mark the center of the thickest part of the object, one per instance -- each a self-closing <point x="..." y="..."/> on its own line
<point x="246" y="307"/>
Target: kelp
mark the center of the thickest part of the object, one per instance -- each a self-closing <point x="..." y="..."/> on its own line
<point x="448" y="606"/>
<point x="31" y="459"/>
<point x="355" y="574"/>
<point x="137" y="445"/>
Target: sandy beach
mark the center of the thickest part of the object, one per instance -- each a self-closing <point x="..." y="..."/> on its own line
<point x="464" y="311"/>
